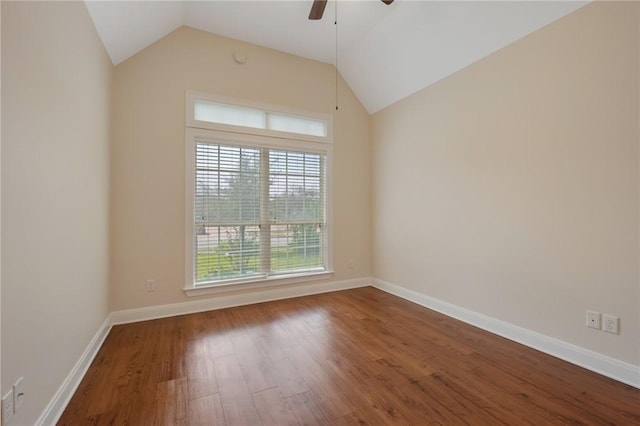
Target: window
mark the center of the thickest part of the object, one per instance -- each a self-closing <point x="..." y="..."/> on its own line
<point x="256" y="205"/>
<point x="223" y="115"/>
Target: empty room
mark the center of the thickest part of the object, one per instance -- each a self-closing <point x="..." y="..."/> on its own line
<point x="308" y="212"/>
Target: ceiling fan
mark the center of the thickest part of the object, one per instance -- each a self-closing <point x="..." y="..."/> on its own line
<point x="317" y="9"/>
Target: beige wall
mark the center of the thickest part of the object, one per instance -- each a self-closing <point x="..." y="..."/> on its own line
<point x="147" y="186"/>
<point x="55" y="113"/>
<point x="511" y="187"/>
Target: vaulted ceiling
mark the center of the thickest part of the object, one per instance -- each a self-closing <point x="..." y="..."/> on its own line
<point x="385" y="53"/>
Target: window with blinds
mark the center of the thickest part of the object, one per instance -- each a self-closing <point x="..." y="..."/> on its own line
<point x="259" y="212"/>
<point x="257" y="194"/>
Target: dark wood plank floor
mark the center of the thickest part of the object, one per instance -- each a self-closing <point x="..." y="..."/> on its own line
<point x="356" y="357"/>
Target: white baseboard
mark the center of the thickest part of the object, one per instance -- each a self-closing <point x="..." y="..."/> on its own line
<point x="58" y="403"/>
<point x="229" y="301"/>
<point x="602" y="364"/>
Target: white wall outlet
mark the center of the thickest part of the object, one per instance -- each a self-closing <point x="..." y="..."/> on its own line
<point x="18" y="394"/>
<point x="611" y="323"/>
<point x="593" y="319"/>
<point x="7" y="408"/>
<point x="151" y="286"/>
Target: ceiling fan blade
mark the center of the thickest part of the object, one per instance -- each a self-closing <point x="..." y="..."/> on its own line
<point x="318" y="9"/>
<point x="387" y="2"/>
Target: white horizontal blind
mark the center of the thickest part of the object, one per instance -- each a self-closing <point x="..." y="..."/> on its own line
<point x="227" y="212"/>
<point x="296" y="124"/>
<point x="259" y="212"/>
<point x="244" y="116"/>
<point x="233" y="115"/>
<point x="296" y="210"/>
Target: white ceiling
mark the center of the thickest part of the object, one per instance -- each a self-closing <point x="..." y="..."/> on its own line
<point x="385" y="53"/>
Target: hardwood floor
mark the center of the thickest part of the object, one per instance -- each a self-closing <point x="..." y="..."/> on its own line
<point x="356" y="357"/>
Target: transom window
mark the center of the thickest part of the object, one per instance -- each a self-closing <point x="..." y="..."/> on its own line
<point x="256" y="205"/>
<point x="235" y="115"/>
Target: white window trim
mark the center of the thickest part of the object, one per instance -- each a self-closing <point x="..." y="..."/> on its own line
<point x="227" y="287"/>
<point x="257" y="138"/>
<point x="192" y="96"/>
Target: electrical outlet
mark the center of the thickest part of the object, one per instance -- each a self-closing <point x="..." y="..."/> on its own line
<point x="611" y="323"/>
<point x="7" y="408"/>
<point x="18" y="394"/>
<point x="151" y="286"/>
<point x="593" y="319"/>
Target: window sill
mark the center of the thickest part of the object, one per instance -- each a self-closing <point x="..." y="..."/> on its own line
<point x="256" y="283"/>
